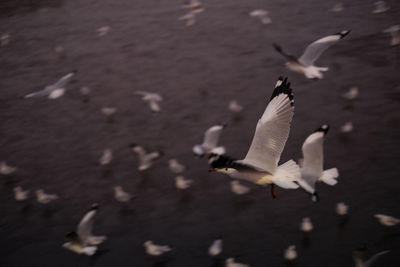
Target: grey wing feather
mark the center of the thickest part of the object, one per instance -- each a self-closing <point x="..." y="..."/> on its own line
<point x="211" y="136"/>
<point x="313" y="154"/>
<point x="85" y="226"/>
<point x="61" y="83"/>
<point x="314" y="50"/>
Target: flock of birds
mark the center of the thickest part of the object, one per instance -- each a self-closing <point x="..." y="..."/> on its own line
<point x="260" y="166"/>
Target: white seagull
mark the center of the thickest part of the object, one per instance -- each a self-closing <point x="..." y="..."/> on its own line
<point x="305" y="63"/>
<point x="181" y="183"/>
<point x="55" y="90"/>
<point x="6" y="169"/>
<point x="4" y="39"/>
<point x="395" y="33"/>
<point x="82" y="241"/>
<point x="238" y="188"/>
<point x="175" y="166"/>
<point x="380" y="7"/>
<point x="155" y="250"/>
<point x="190" y="18"/>
<point x="210" y="142"/>
<point x="121" y="195"/>
<point x="358" y="257"/>
<point x="152" y="99"/>
<point x="216" y="248"/>
<point x="106" y="157"/>
<point x="235" y="107"/>
<point x="145" y="159"/>
<point x="262" y="15"/>
<point x="387" y="220"/>
<point x="102" y="31"/>
<point x="44" y="198"/>
<point x="313" y="160"/>
<point x="352" y="93"/>
<point x="347" y="127"/>
<point x="19" y="194"/>
<point x="306" y="225"/>
<point x="341" y="208"/>
<point x="290" y="253"/>
<point x="260" y="166"/>
<point x="230" y="262"/>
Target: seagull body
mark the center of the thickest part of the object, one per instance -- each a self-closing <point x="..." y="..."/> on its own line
<point x="238" y="188"/>
<point x="190" y="18"/>
<point x="395" y="33"/>
<point x="305" y="63"/>
<point x="312" y="167"/>
<point x="4" y="39"/>
<point x="210" y="142"/>
<point x="102" y="31"/>
<point x="352" y="93"/>
<point x="337" y="7"/>
<point x="290" y="253"/>
<point x="262" y="15"/>
<point x="19" y="194"/>
<point x="347" y="127"/>
<point x="341" y="208"/>
<point x="175" y="166"/>
<point x="152" y="99"/>
<point x="306" y="225"/>
<point x="260" y="166"/>
<point x="155" y="250"/>
<point x="358" y="257"/>
<point x="145" y="159"/>
<point x="44" y="198"/>
<point x="182" y="183"/>
<point x="387" y="220"/>
<point x="230" y="262"/>
<point x="6" y="169"/>
<point x="380" y="7"/>
<point x="235" y="107"/>
<point x="121" y="195"/>
<point x="216" y="248"/>
<point x="55" y="90"/>
<point x="106" y="158"/>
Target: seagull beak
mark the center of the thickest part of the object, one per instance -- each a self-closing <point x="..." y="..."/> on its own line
<point x="212" y="170"/>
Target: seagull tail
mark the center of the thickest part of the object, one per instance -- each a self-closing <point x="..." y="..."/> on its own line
<point x="90" y="250"/>
<point x="287" y="175"/>
<point x="329" y="176"/>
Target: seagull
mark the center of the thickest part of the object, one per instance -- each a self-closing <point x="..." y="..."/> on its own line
<point x="107" y="157"/>
<point x="155" y="250"/>
<point x="4" y="39"/>
<point x="387" y="220"/>
<point x="380" y="7"/>
<point x="85" y="92"/>
<point x="109" y="112"/>
<point x="238" y="188"/>
<point x="121" y="195"/>
<point x="341" y="208"/>
<point x="216" y="248"/>
<point x="305" y="63"/>
<point x="262" y="15"/>
<point x="210" y="142"/>
<point x="260" y="166"/>
<point x="6" y="169"/>
<point x="235" y="107"/>
<point x="19" y="194"/>
<point x="55" y="90"/>
<point x="175" y="166"/>
<point x="312" y="168"/>
<point x="352" y="93"/>
<point x="44" y="198"/>
<point x="82" y="241"/>
<point x="290" y="253"/>
<point x="358" y="257"/>
<point x="195" y="5"/>
<point x="145" y="159"/>
<point x="306" y="225"/>
<point x="230" y="262"/>
<point x="102" y="31"/>
<point x="190" y="18"/>
<point x="152" y="98"/>
<point x="347" y="127"/>
<point x="59" y="49"/>
<point x="182" y="183"/>
<point x="338" y="7"/>
<point x="395" y="33"/>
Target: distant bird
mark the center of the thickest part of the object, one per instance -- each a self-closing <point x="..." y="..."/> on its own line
<point x="235" y="107"/>
<point x="152" y="98"/>
<point x="290" y="253"/>
<point x="312" y="169"/>
<point x="395" y="33"/>
<point x="238" y="188"/>
<point x="107" y="157"/>
<point x="352" y="93"/>
<point x="19" y="194"/>
<point x="44" y="198"/>
<point x="102" y="31"/>
<point x="145" y="159"/>
<point x="341" y="208"/>
<point x="4" y="39"/>
<point x="82" y="241"/>
<point x="155" y="250"/>
<point x="210" y="142"/>
<point x="262" y="15"/>
<point x="195" y="5"/>
<point x="305" y="63"/>
<point x="190" y="18"/>
<point x="387" y="220"/>
<point x="85" y="92"/>
<point x="347" y="127"/>
<point x="216" y="248"/>
<point x="175" y="166"/>
<point x="59" y="49"/>
<point x="306" y="225"/>
<point x="230" y="262"/>
<point x="182" y="183"/>
<point x="55" y="90"/>
<point x="338" y="7"/>
<point x="121" y="195"/>
<point x="260" y="166"/>
<point x="358" y="257"/>
<point x="109" y="112"/>
<point x="6" y="169"/>
<point x="380" y="7"/>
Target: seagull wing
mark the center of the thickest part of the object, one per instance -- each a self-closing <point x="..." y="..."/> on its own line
<point x="313" y="154"/>
<point x="272" y="129"/>
<point x="211" y="136"/>
<point x="371" y="260"/>
<point x="61" y="83"/>
<point x="314" y="50"/>
<point x="85" y="226"/>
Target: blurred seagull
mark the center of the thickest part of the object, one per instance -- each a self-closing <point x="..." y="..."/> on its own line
<point x="55" y="90"/>
<point x="182" y="183"/>
<point x="260" y="166"/>
<point x="380" y="7"/>
<point x="107" y="157"/>
<point x="306" y="225"/>
<point x="338" y="7"/>
<point x="305" y="63"/>
<point x="175" y="166"/>
<point x="341" y="208"/>
<point x="352" y="93"/>
<point x="145" y="159"/>
<point x="262" y="15"/>
<point x="216" y="248"/>
<point x="387" y="220"/>
<point x="102" y="31"/>
<point x="152" y="99"/>
<point x="155" y="250"/>
<point x="121" y="195"/>
<point x="395" y="33"/>
<point x="313" y="159"/>
<point x="85" y="92"/>
<point x="59" y="49"/>
<point x="109" y="112"/>
<point x="235" y="107"/>
<point x="290" y="253"/>
<point x="82" y="241"/>
<point x="4" y="39"/>
<point x="44" y="198"/>
<point x="358" y="257"/>
<point x="210" y="142"/>
<point x="239" y="189"/>
<point x="6" y="169"/>
<point x="190" y="18"/>
<point x="19" y="194"/>
<point x="347" y="127"/>
<point x="195" y="5"/>
<point x="230" y="262"/>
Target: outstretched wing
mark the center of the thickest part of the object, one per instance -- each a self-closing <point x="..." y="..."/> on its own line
<point x="211" y="136"/>
<point x="371" y="260"/>
<point x="272" y="129"/>
<point x="314" y="50"/>
<point x="61" y="83"/>
<point x="85" y="226"/>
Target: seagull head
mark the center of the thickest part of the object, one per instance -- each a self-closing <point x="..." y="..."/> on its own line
<point x="219" y="163"/>
<point x="324" y="128"/>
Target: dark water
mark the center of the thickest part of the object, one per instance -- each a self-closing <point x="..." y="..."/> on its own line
<point x="225" y="55"/>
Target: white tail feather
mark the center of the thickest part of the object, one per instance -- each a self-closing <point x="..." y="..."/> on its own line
<point x="89" y="250"/>
<point x="287" y="174"/>
<point x="328" y="176"/>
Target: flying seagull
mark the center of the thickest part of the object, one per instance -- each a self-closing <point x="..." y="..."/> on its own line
<point x="155" y="250"/>
<point x="262" y="15"/>
<point x="260" y="166"/>
<point x="290" y="253"/>
<point x="230" y="262"/>
<point x="44" y="198"/>
<point x="152" y="99"/>
<point x="395" y="33"/>
<point x="305" y="63"/>
<point x="145" y="159"/>
<point x="20" y="194"/>
<point x="342" y="208"/>
<point x="387" y="220"/>
<point x="210" y="142"/>
<point x="216" y="248"/>
<point x="6" y="169"/>
<point x="306" y="225"/>
<point x="120" y="195"/>
<point x="313" y="159"/>
<point x="55" y="90"/>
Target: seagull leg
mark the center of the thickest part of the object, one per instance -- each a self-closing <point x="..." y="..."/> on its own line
<point x="274" y="194"/>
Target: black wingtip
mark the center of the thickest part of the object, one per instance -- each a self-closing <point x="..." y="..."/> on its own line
<point x="71" y="235"/>
<point x="315" y="197"/>
<point x="283" y="87"/>
<point x="343" y="33"/>
<point x="324" y="128"/>
<point x="277" y="47"/>
<point x="95" y="206"/>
